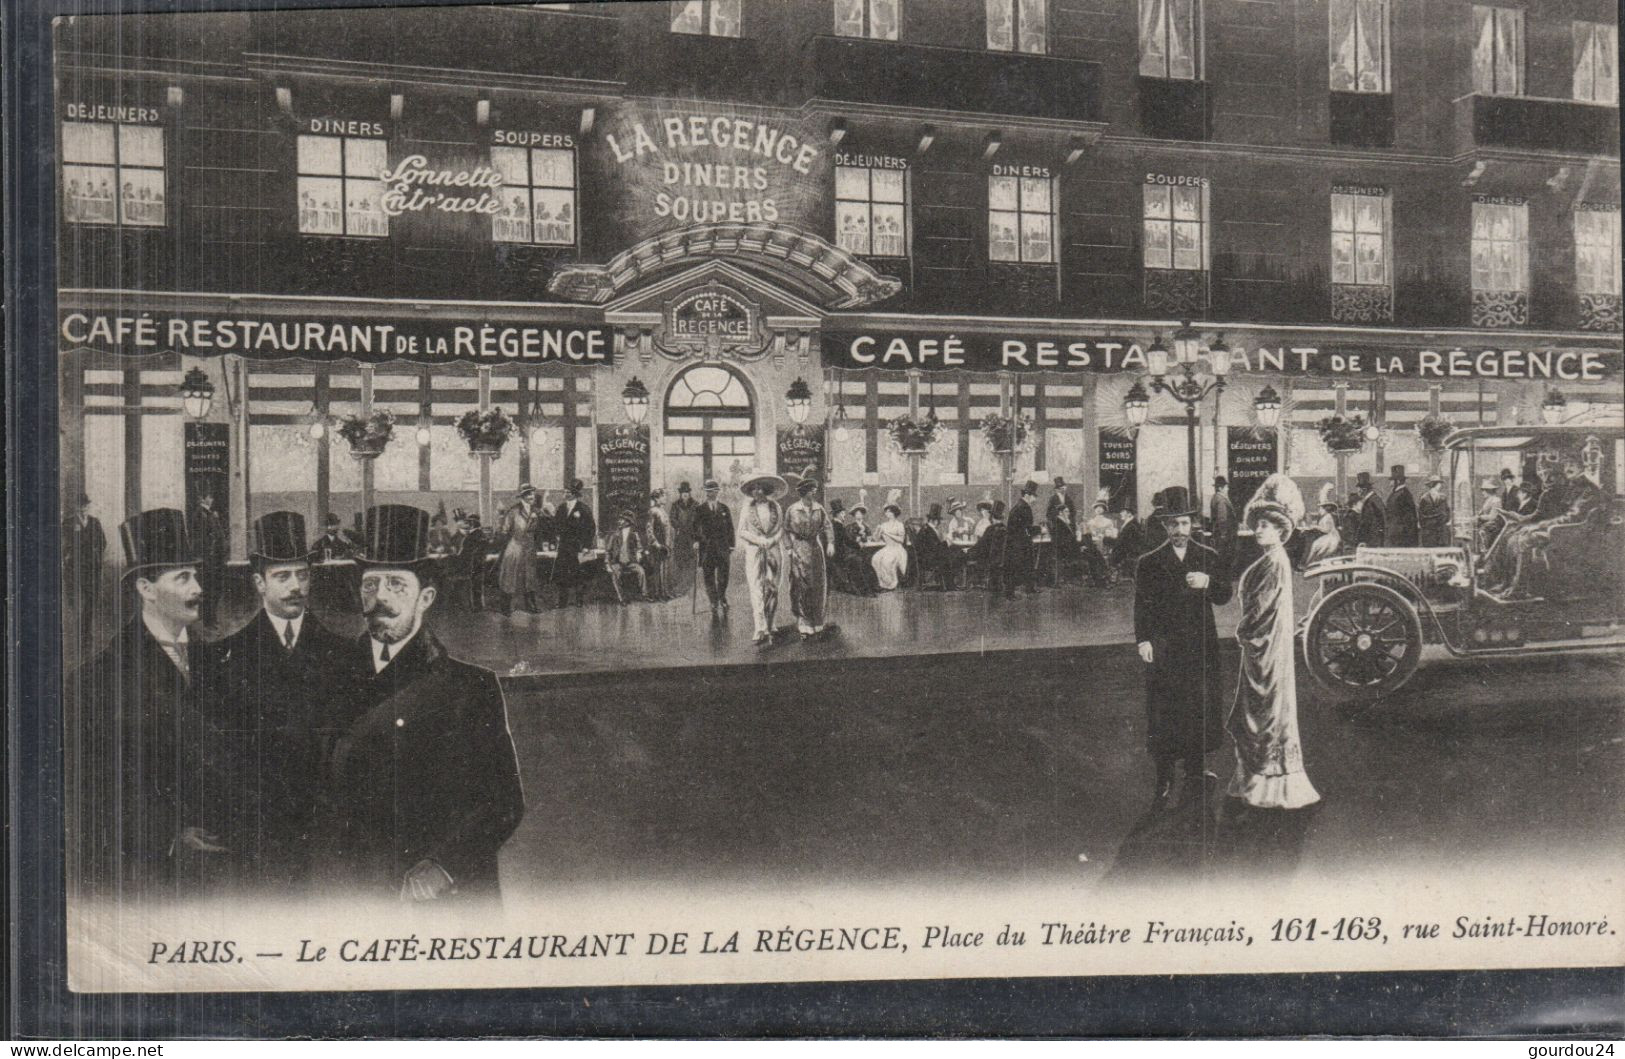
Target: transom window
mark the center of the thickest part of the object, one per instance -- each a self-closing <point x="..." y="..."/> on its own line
<point x="1596" y="62"/>
<point x="538" y="195"/>
<point x="1360" y="227"/>
<point x="1497" y="51"/>
<point x="712" y="18"/>
<point x="709" y="413"/>
<point x="871" y="211"/>
<point x="876" y="19"/>
<point x="1021" y="219"/>
<point x="1500" y="246"/>
<point x="112" y="174"/>
<point x="1170" y="39"/>
<point x="1018" y="25"/>
<point x="1359" y="46"/>
<point x="1596" y="251"/>
<point x="340" y="192"/>
<point x="1176" y="226"/>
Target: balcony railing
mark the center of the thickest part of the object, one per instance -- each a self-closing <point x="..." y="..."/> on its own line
<point x="1528" y="123"/>
<point x="893" y="75"/>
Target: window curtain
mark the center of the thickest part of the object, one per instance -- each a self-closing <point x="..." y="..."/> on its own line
<point x="1168" y="38"/>
<point x="1596" y="52"/>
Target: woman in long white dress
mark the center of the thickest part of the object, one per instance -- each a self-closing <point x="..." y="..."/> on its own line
<point x="1263" y="719"/>
<point x="891" y="560"/>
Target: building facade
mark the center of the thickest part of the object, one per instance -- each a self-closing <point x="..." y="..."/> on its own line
<point x="701" y="238"/>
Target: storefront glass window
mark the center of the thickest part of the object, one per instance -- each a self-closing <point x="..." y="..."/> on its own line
<point x="871" y="211"/>
<point x="1359" y="45"/>
<point x="1596" y="251"/>
<point x="1497" y="51"/>
<point x="538" y="196"/>
<point x="1360" y="227"/>
<point x="112" y="174"/>
<point x="1500" y="247"/>
<point x="339" y="190"/>
<point x="716" y="18"/>
<point x="1169" y="41"/>
<point x="1175" y="227"/>
<point x="1021" y="219"/>
<point x="1018" y="25"/>
<point x="1596" y="62"/>
<point x="866" y="18"/>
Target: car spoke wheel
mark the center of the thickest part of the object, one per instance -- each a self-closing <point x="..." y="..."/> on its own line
<point x="1363" y="641"/>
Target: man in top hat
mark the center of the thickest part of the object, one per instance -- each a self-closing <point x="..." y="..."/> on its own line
<point x="1018" y="543"/>
<point x="577" y="532"/>
<point x="1176" y="587"/>
<point x="331" y="544"/>
<point x="1222" y="517"/>
<point x="1370" y="523"/>
<point x="140" y="751"/>
<point x="1433" y="516"/>
<point x="278" y="672"/>
<point x="988" y="552"/>
<point x="423" y="789"/>
<point x="209" y="539"/>
<point x="83" y="546"/>
<point x="1401" y="526"/>
<point x="624" y="555"/>
<point x="713" y="546"/>
<point x="1061" y="515"/>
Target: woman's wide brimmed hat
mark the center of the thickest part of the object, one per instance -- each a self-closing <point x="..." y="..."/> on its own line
<point x="1278" y="501"/>
<point x="774" y="485"/>
<point x="1271" y="512"/>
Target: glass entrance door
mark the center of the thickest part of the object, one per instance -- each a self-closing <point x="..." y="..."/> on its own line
<point x="710" y="426"/>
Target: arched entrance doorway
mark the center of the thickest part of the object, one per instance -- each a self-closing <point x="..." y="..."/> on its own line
<point x="710" y="423"/>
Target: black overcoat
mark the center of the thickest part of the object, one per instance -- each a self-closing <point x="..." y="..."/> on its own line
<point x="1184" y="688"/>
<point x="1433" y="516"/>
<point x="1373" y="531"/>
<point x="1018" y="540"/>
<point x="1401" y="528"/>
<point x="577" y="532"/>
<point x="714" y="529"/>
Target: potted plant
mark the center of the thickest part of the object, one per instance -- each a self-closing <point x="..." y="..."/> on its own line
<point x="1006" y="434"/>
<point x="1433" y="429"/>
<point x="367" y="434"/>
<point x="913" y="434"/>
<point x="1343" y="433"/>
<point x="485" y="432"/>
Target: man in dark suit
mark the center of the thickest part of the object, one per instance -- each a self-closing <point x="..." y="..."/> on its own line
<point x="988" y="552"/>
<point x="332" y="544"/>
<point x="1061" y="517"/>
<point x="1176" y="587"/>
<point x="1018" y="544"/>
<point x="142" y="813"/>
<point x="423" y="788"/>
<point x="577" y="532"/>
<point x="278" y="671"/>
<point x="1370" y="524"/>
<point x="713" y="546"/>
<point x="1222" y="518"/>
<point x="209" y="538"/>
<point x="83" y="547"/>
<point x="1433" y="516"/>
<point x="1402" y="529"/>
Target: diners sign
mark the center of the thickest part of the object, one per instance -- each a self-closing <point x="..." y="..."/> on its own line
<point x="623" y="473"/>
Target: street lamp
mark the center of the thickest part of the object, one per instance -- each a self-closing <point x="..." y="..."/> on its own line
<point x="798" y="401"/>
<point x="197" y="393"/>
<point x="1190" y="385"/>
<point x="1136" y="404"/>
<point x="635" y="399"/>
<point x="1268" y="406"/>
<point x="1156" y="358"/>
<point x="423" y="436"/>
<point x="1553" y="407"/>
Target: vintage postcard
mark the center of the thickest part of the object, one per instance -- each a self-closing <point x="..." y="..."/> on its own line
<point x="800" y="490"/>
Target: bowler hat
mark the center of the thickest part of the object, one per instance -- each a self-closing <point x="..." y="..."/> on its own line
<point x="84" y="498"/>
<point x="1362" y="480"/>
<point x="683" y="487"/>
<point x="155" y="539"/>
<point x="576" y="487"/>
<point x="280" y="538"/>
<point x="1176" y="503"/>
<point x="395" y="535"/>
<point x="1397" y="472"/>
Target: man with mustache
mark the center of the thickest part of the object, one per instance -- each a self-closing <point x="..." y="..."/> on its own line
<point x="423" y="789"/>
<point x="142" y="787"/>
<point x="278" y="670"/>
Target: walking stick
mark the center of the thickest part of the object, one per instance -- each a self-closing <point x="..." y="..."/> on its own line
<point x="694" y="589"/>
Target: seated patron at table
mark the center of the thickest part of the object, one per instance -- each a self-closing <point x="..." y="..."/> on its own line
<point x="939" y="562"/>
<point x="1099" y="539"/>
<point x="961" y="527"/>
<point x="984" y="517"/>
<point x="891" y="559"/>
<point x="852" y="568"/>
<point x="624" y="555"/>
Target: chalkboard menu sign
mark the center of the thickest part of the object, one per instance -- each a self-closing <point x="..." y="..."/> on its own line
<point x="207" y="463"/>
<point x="623" y="472"/>
<point x="1118" y="451"/>
<point x="799" y="449"/>
<point x="1252" y="459"/>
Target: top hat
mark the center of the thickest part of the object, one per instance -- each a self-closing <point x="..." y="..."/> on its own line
<point x="998" y="509"/>
<point x="1397" y="472"/>
<point x="1219" y="480"/>
<point x="331" y="519"/>
<point x="1029" y="489"/>
<point x="837" y="506"/>
<point x="156" y="539"/>
<point x="280" y="538"/>
<point x="1362" y="480"/>
<point x="774" y="484"/>
<point x="934" y="514"/>
<point x="1176" y="503"/>
<point x="1506" y="472"/>
<point x="395" y="535"/>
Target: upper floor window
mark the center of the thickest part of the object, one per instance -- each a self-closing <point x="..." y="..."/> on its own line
<point x="1176" y="226"/>
<point x="1596" y="59"/>
<point x="1497" y="51"/>
<point x="340" y="192"/>
<point x="112" y="174"/>
<point x="1018" y="25"/>
<point x="1360" y="238"/>
<point x="1170" y="39"/>
<point x="871" y="211"/>
<point x="1021" y="218"/>
<point x="876" y="19"/>
<point x="1500" y="245"/>
<point x="538" y="196"/>
<point x="1359" y="46"/>
<point x="715" y="18"/>
<point x="1596" y="251"/>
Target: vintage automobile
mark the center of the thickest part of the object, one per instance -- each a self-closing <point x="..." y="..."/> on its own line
<point x="1374" y="610"/>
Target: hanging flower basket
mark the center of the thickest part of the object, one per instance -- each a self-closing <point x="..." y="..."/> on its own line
<point x="1007" y="434"/>
<point x="367" y="435"/>
<point x="1343" y="433"/>
<point x="485" y="432"/>
<point x="913" y="434"/>
<point x="1433" y="429"/>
